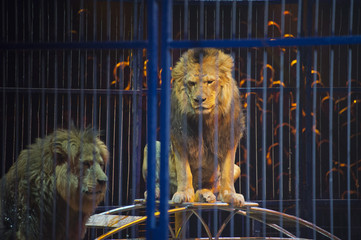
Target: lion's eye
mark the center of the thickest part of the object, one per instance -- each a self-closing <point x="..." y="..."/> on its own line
<point x="101" y="166"/>
<point x="191" y="84"/>
<point x="210" y="81"/>
<point x="86" y="164"/>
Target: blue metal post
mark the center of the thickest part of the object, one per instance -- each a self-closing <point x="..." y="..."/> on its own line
<point x="330" y="120"/>
<point x="152" y="113"/>
<point x="264" y="118"/>
<point x="249" y="109"/>
<point x="298" y="120"/>
<point x="281" y="105"/>
<point x="306" y="53"/>
<point x="314" y="123"/>
<point x="165" y="119"/>
<point x="349" y="87"/>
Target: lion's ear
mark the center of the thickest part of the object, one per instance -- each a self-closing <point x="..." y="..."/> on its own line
<point x="103" y="150"/>
<point x="59" y="153"/>
<point x="178" y="71"/>
<point x="226" y="62"/>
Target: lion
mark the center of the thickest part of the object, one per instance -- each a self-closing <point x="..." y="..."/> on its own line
<point x="54" y="186"/>
<point x="207" y="124"/>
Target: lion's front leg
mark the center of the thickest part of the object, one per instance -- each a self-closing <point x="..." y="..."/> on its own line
<point x="227" y="192"/>
<point x="205" y="195"/>
<point x="185" y="190"/>
<point x="157" y="169"/>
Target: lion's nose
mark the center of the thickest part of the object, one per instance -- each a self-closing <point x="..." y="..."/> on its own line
<point x="199" y="100"/>
<point x="102" y="181"/>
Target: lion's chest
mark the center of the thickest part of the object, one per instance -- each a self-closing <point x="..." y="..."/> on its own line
<point x="203" y="160"/>
<point x="209" y="142"/>
<point x="204" y="171"/>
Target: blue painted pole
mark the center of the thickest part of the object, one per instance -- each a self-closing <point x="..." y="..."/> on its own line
<point x="152" y="114"/>
<point x="330" y="120"/>
<point x="348" y="161"/>
<point x="264" y="119"/>
<point x="266" y="42"/>
<point x="165" y="119"/>
<point x="281" y="105"/>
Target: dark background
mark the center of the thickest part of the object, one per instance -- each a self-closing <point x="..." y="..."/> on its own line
<point x="45" y="89"/>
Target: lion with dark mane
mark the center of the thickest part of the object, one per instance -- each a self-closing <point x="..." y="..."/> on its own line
<point x="54" y="187"/>
<point x="206" y="125"/>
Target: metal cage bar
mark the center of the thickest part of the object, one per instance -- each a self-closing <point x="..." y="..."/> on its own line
<point x="152" y="115"/>
<point x="57" y="67"/>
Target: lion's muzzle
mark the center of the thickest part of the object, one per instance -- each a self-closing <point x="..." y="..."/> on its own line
<point x="199" y="100"/>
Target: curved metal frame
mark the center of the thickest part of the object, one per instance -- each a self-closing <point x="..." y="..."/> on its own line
<point x="250" y="210"/>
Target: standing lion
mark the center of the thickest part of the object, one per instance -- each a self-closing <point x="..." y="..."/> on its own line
<point x="206" y="126"/>
<point x="54" y="187"/>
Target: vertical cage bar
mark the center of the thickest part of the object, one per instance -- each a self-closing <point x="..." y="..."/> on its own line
<point x="234" y="17"/>
<point x="201" y="21"/>
<point x="306" y="155"/>
<point x="16" y="133"/>
<point x="56" y="82"/>
<point x="5" y="72"/>
<point x="330" y="120"/>
<point x="94" y="104"/>
<point x="233" y="35"/>
<point x="68" y="14"/>
<point x="42" y="120"/>
<point x="314" y="123"/>
<point x="264" y="118"/>
<point x="216" y="111"/>
<point x="314" y="144"/>
<point x="232" y="140"/>
<point x="29" y="101"/>
<point x="349" y="126"/>
<point x="152" y="113"/>
<point x="298" y="129"/>
<point x="202" y="35"/>
<point x="185" y="20"/>
<point x="107" y="199"/>
<point x="298" y="119"/>
<point x="281" y="102"/>
<point x="136" y="105"/>
<point x="217" y="28"/>
<point x="95" y="72"/>
<point x="349" y="143"/>
<point x="134" y="62"/>
<point x="200" y="142"/>
<point x="165" y="119"/>
<point x="30" y="110"/>
<point x="82" y="108"/>
<point x="249" y="108"/>
<point x="120" y="109"/>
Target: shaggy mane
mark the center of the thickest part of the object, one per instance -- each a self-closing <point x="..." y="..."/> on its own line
<point x="49" y="180"/>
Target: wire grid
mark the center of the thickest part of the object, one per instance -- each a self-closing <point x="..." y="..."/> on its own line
<point x="91" y="62"/>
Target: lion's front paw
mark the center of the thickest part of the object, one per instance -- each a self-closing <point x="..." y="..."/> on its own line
<point x="157" y="193"/>
<point x="183" y="196"/>
<point x="205" y="195"/>
<point x="233" y="198"/>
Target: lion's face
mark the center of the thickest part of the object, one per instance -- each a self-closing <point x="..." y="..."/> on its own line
<point x="86" y="179"/>
<point x="202" y="87"/>
<point x="203" y="82"/>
